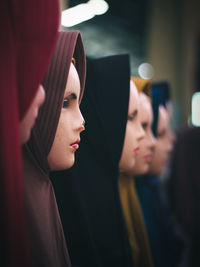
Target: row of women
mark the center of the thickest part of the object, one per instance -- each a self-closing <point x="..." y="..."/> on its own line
<point x="104" y="208"/>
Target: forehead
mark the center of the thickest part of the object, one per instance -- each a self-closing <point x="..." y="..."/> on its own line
<point x="145" y="107"/>
<point x="163" y="120"/>
<point x="134" y="97"/>
<point x="73" y="82"/>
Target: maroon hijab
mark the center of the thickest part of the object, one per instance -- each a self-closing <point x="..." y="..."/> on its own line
<point x="28" y="35"/>
<point x="44" y="226"/>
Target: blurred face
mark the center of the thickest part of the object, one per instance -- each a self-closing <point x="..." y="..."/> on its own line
<point x="147" y="144"/>
<point x="70" y="125"/>
<point x="134" y="133"/>
<point x="164" y="143"/>
<point x="29" y="119"/>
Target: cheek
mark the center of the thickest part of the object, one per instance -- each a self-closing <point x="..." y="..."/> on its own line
<point x="60" y="150"/>
<point x="131" y="137"/>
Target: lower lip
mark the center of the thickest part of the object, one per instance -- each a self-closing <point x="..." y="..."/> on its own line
<point x="136" y="151"/>
<point x="148" y="158"/>
<point x="75" y="146"/>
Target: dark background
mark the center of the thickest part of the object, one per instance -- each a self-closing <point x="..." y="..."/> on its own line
<point x="164" y="33"/>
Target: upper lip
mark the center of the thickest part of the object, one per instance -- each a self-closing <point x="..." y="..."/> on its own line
<point x="76" y="142"/>
<point x="136" y="149"/>
<point x="149" y="155"/>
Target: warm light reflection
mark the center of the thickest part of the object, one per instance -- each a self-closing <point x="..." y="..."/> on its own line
<point x="83" y="12"/>
<point x="146" y="71"/>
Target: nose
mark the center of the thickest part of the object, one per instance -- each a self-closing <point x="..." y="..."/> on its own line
<point x="81" y="126"/>
<point x="152" y="140"/>
<point x="172" y="136"/>
<point x="169" y="146"/>
<point x="140" y="131"/>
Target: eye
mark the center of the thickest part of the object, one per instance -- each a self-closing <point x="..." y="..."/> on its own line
<point x="66" y="103"/>
<point x="162" y="133"/>
<point x="132" y="116"/>
<point x="144" y="125"/>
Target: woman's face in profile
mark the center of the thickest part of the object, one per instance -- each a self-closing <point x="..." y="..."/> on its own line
<point x="147" y="144"/>
<point x="164" y="143"/>
<point x="70" y="125"/>
<point x="134" y="133"/>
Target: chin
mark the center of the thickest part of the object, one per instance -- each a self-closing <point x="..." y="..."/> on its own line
<point x="70" y="163"/>
<point x="62" y="165"/>
<point x="142" y="170"/>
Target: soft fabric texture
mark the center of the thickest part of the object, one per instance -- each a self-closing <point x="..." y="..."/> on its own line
<point x="143" y="85"/>
<point x="28" y="35"/>
<point x="47" y="240"/>
<point x="166" y="244"/>
<point x="164" y="86"/>
<point x="95" y="226"/>
<point x="184" y="187"/>
<point x="134" y="222"/>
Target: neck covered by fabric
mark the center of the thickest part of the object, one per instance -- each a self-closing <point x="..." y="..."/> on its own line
<point x="135" y="224"/>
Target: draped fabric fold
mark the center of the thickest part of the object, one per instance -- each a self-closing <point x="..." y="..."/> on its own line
<point x="28" y="35"/>
<point x="135" y="225"/>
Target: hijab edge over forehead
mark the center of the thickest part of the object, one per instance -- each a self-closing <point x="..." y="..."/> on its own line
<point x="111" y="77"/>
<point x="142" y="85"/>
<point x="157" y="101"/>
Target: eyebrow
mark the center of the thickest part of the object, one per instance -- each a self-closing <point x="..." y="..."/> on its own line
<point x="71" y="95"/>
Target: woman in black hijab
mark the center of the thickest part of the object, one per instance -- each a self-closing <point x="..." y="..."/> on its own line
<point x="87" y="195"/>
<point x="53" y="142"/>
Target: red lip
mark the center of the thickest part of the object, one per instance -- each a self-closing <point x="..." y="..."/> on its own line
<point x="75" y="144"/>
<point x="136" y="150"/>
<point x="148" y="157"/>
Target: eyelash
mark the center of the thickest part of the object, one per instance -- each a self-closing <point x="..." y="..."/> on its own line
<point x="66" y="103"/>
<point x="131" y="117"/>
<point x="161" y="134"/>
<point x="144" y="125"/>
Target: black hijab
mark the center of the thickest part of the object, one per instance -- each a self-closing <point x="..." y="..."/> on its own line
<point x="44" y="226"/>
<point x="88" y="196"/>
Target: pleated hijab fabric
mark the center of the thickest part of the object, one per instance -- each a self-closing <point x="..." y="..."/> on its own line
<point x="47" y="240"/>
<point x="95" y="225"/>
<point x="28" y="35"/>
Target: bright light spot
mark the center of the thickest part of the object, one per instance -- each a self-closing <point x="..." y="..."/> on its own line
<point x="196" y="109"/>
<point x="146" y="71"/>
<point x="99" y="7"/>
<point x="83" y="12"/>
